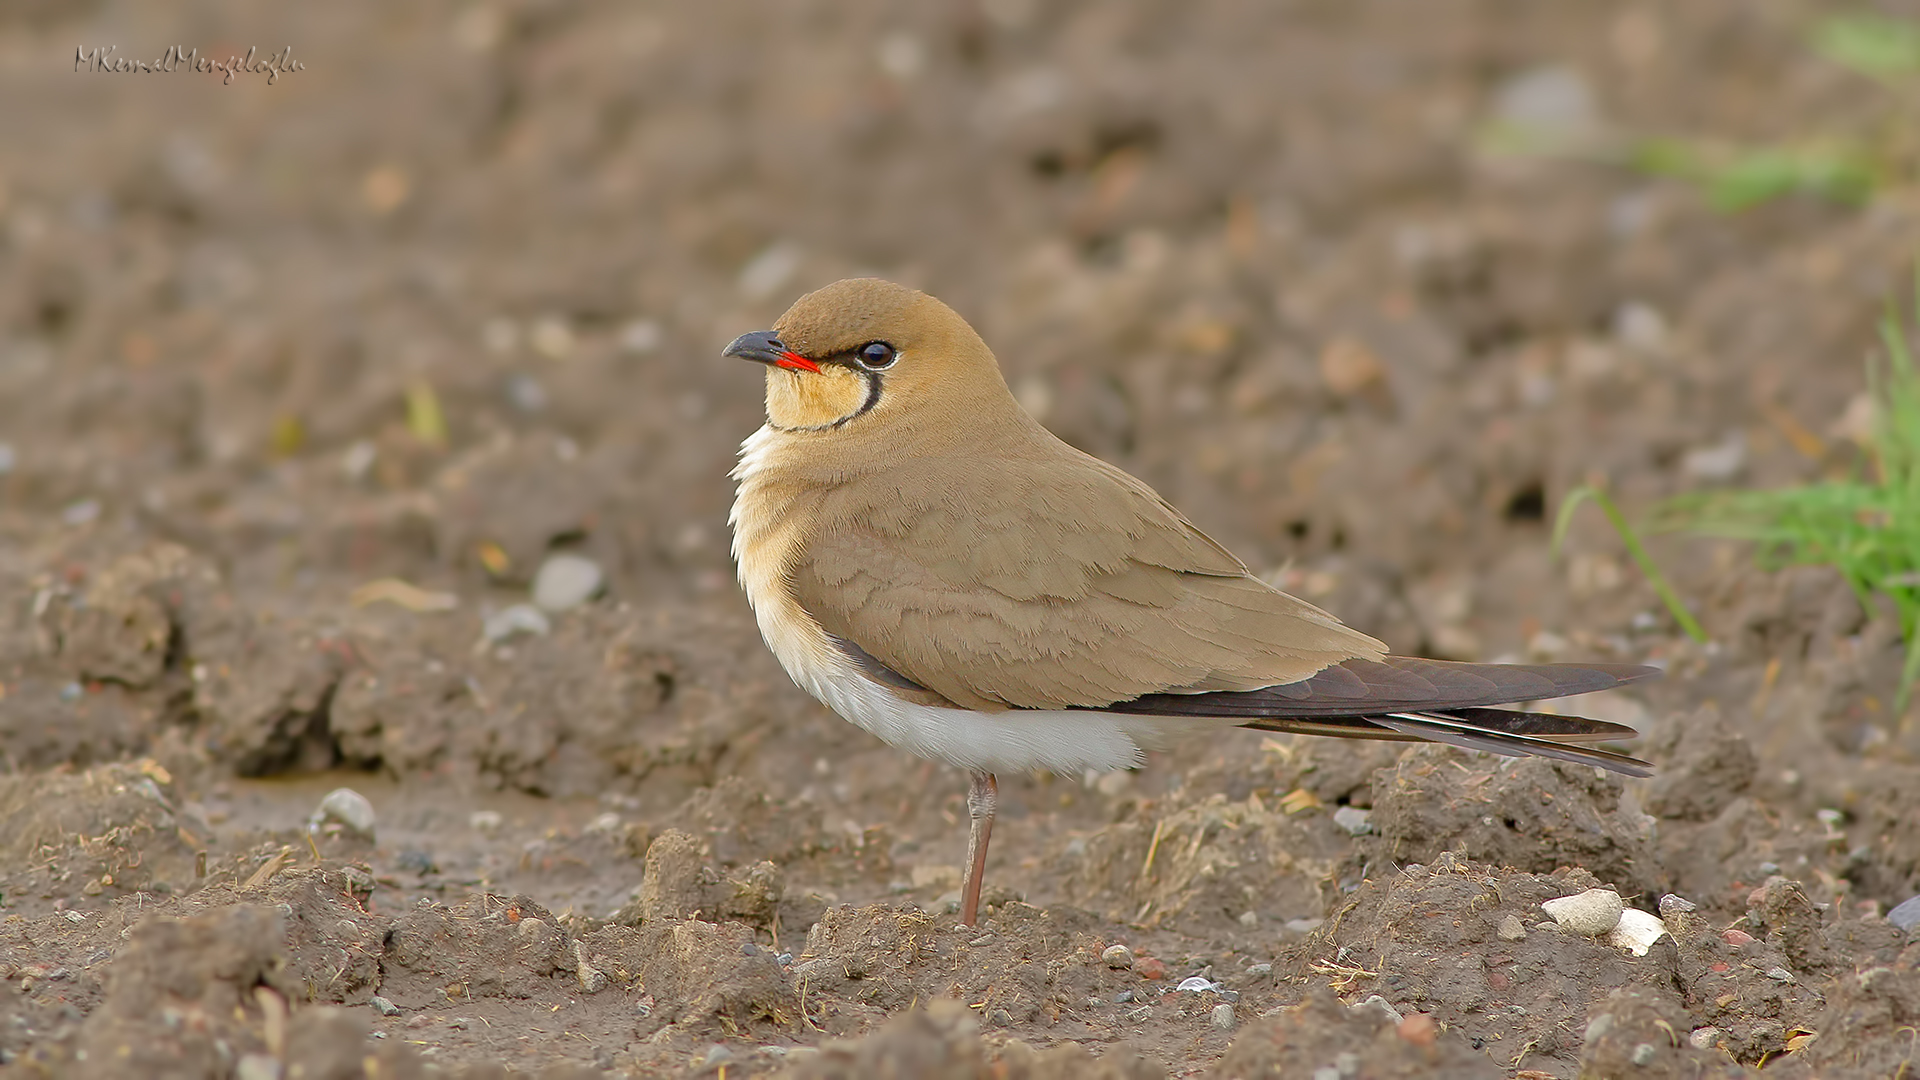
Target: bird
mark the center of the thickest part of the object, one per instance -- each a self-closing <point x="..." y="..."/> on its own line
<point x="932" y="564"/>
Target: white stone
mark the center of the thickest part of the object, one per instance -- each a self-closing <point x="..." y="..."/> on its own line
<point x="1637" y="931"/>
<point x="346" y="806"/>
<point x="1353" y="820"/>
<point x="1552" y="100"/>
<point x="566" y="581"/>
<point x="1590" y="914"/>
<point x="1720" y="462"/>
<point x="515" y="620"/>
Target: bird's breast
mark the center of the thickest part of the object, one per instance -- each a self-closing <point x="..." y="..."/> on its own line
<point x="770" y="525"/>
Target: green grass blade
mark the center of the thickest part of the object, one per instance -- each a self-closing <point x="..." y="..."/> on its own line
<point x="1866" y="528"/>
<point x="1648" y="567"/>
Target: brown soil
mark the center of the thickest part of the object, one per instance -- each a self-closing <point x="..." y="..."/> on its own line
<point x="1264" y="256"/>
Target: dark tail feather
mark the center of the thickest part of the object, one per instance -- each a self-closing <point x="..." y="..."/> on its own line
<point x="1498" y="731"/>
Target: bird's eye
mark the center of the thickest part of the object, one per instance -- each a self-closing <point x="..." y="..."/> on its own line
<point x="875" y="355"/>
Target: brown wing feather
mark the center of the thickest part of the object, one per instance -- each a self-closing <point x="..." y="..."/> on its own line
<point x="1048" y="580"/>
<point x="1396" y="684"/>
<point x="1499" y="731"/>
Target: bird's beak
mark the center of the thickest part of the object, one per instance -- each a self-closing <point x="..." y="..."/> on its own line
<point x="765" y="347"/>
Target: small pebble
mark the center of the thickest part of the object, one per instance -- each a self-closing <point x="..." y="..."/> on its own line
<point x="1673" y="904"/>
<point x="1376" y="1003"/>
<point x="566" y="581"/>
<point x="1637" y="931"/>
<point x="1736" y="937"/>
<point x="1327" y="1072"/>
<point x="717" y="1055"/>
<point x="513" y="621"/>
<point x="1643" y="1054"/>
<point x="525" y="393"/>
<point x="1780" y="974"/>
<point x="1257" y="970"/>
<point x="82" y="512"/>
<point x="1150" y="968"/>
<point x="1118" y="957"/>
<point x="1223" y="1017"/>
<point x="641" y="336"/>
<point x="1000" y="1018"/>
<point x="346" y="806"/>
<point x="1511" y="930"/>
<point x="1640" y="326"/>
<point x="1550" y="102"/>
<point x="358" y="459"/>
<point x="1589" y="914"/>
<point x="1419" y="1029"/>
<point x="1301" y="926"/>
<point x="1704" y="1038"/>
<point x="1124" y="997"/>
<point x="485" y="821"/>
<point x="383" y="1006"/>
<point x="551" y="337"/>
<point x="418" y="862"/>
<point x="1249" y="919"/>
<point x="1720" y="462"/>
<point x="1353" y="820"/>
<point x="1906" y="914"/>
<point x="258" y="1067"/>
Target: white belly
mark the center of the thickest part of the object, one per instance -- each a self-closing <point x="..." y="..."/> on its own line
<point x="1017" y="739"/>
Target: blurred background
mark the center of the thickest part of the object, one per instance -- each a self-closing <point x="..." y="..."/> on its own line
<point x="1356" y="289"/>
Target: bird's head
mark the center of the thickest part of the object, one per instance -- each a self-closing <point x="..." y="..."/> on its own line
<point x="864" y="353"/>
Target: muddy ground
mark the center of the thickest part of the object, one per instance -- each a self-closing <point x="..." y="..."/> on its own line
<point x="302" y="382"/>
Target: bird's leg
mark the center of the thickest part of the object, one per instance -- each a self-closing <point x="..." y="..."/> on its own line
<point x="982" y="793"/>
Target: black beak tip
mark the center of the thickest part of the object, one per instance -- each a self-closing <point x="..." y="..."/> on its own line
<point x="762" y="345"/>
